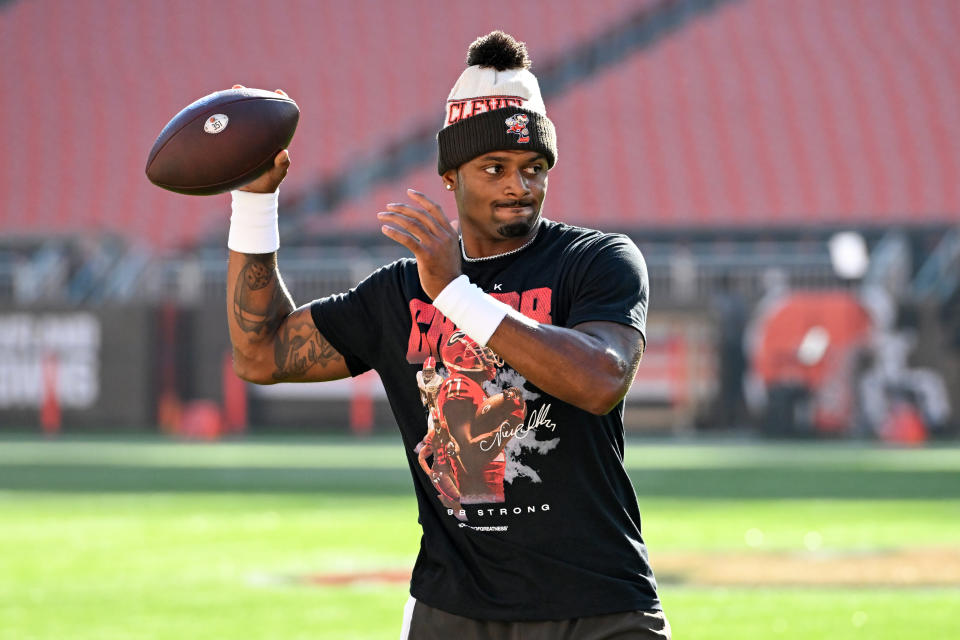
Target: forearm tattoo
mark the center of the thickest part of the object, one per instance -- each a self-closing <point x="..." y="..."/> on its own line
<point x="254" y="309"/>
<point x="299" y="346"/>
<point x="262" y="306"/>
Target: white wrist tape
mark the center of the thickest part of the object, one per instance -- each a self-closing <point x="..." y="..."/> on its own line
<point x="475" y="312"/>
<point x="253" y="224"/>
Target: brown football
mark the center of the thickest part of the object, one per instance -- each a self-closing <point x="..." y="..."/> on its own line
<point x="222" y="141"/>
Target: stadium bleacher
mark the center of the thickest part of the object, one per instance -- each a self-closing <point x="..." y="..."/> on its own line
<point x="362" y="72"/>
<point x="730" y="138"/>
<point x="760" y="114"/>
<point x="752" y="114"/>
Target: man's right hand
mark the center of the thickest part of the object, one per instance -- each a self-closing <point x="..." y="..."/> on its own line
<point x="270" y="181"/>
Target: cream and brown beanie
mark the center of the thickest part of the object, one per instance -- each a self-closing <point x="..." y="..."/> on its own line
<point x="495" y="105"/>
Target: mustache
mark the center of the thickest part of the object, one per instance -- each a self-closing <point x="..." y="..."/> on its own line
<point x="522" y="202"/>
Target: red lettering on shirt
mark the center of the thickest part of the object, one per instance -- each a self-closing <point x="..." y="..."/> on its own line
<point x="427" y="343"/>
<point x="511" y="298"/>
<point x="429" y="328"/>
<point x="535" y="304"/>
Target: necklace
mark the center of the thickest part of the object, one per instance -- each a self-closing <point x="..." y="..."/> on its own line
<point x="526" y="244"/>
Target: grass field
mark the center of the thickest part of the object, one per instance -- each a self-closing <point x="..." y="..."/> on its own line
<point x="148" y="539"/>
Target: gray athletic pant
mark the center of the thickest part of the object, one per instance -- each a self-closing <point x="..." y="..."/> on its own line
<point x="421" y="622"/>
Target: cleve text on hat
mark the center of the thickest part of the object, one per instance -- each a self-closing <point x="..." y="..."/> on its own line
<point x="461" y="109"/>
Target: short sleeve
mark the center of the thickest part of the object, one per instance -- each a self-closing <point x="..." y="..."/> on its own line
<point x="611" y="284"/>
<point x="352" y="322"/>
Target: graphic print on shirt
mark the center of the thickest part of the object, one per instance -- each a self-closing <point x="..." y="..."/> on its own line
<point x="478" y="428"/>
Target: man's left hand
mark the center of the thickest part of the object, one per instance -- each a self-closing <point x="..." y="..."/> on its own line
<point x="425" y="230"/>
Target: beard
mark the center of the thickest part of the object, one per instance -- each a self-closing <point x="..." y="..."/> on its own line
<point x="515" y="229"/>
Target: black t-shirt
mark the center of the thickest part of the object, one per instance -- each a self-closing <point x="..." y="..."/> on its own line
<point x="527" y="511"/>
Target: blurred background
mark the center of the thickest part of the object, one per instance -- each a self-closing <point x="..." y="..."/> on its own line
<point x="790" y="170"/>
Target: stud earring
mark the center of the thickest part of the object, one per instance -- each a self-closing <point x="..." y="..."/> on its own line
<point x="449" y="187"/>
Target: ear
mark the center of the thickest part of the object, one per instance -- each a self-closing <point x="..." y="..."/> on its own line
<point x="450" y="179"/>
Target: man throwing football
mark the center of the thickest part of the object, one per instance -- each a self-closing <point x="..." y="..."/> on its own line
<point x="559" y="552"/>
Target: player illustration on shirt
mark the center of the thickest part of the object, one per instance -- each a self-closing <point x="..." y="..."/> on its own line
<point x="438" y="442"/>
<point x="467" y="428"/>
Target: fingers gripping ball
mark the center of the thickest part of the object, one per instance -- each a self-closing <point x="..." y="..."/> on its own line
<point x="222" y="141"/>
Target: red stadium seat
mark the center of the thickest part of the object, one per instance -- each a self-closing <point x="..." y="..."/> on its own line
<point x="751" y="114"/>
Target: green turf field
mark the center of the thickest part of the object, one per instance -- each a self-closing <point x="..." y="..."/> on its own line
<point x="107" y="539"/>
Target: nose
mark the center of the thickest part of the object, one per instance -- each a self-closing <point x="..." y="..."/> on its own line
<point x="517" y="185"/>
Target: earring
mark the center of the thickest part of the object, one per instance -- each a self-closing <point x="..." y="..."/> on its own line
<point x="449" y="187"/>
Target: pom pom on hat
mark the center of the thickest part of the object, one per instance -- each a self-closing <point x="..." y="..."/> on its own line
<point x="498" y="50"/>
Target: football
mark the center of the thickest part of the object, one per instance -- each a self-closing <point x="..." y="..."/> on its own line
<point x="222" y="141"/>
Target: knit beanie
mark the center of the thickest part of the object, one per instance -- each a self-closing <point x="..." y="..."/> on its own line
<point x="495" y="105"/>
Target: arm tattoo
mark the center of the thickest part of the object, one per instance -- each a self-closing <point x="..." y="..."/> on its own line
<point x="262" y="306"/>
<point x="257" y="275"/>
<point x="253" y="308"/>
<point x="299" y="346"/>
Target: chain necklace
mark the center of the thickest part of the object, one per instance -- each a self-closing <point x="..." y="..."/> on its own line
<point x="526" y="244"/>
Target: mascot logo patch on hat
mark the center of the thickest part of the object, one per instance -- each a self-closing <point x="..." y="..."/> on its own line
<point x="518" y="124"/>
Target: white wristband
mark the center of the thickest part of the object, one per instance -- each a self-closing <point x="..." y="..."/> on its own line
<point x="475" y="312"/>
<point x="253" y="224"/>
